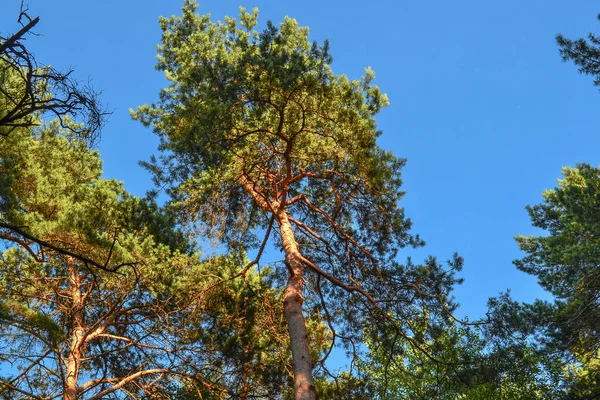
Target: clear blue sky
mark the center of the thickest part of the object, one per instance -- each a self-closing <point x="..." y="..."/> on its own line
<point x="481" y="104"/>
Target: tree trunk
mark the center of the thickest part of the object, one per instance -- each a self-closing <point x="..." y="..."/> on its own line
<point x="77" y="333"/>
<point x="292" y="306"/>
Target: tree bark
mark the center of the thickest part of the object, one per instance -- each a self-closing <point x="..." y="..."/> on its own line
<point x="77" y="333"/>
<point x="292" y="305"/>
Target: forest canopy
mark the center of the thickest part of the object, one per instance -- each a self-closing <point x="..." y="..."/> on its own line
<point x="263" y="149"/>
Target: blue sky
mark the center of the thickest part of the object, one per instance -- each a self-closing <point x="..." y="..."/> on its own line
<point x="481" y="104"/>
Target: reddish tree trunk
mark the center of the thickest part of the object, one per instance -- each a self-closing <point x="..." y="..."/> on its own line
<point x="292" y="305"/>
<point x="76" y="345"/>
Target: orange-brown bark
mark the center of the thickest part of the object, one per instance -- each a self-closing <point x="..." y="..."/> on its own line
<point x="292" y="305"/>
<point x="77" y="336"/>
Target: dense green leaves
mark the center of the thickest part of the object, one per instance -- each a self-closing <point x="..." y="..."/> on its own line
<point x="94" y="285"/>
<point x="566" y="261"/>
<point x="105" y="295"/>
<point x="566" y="264"/>
<point x="554" y="344"/>
<point x="256" y="130"/>
<point x="242" y="103"/>
<point x="163" y="319"/>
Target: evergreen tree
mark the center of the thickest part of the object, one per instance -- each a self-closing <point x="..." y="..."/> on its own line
<point x="584" y="53"/>
<point x="566" y="263"/>
<point x="29" y="92"/>
<point x="498" y="358"/>
<point x="163" y="319"/>
<point x="95" y="298"/>
<point x="259" y="133"/>
<point x="561" y="338"/>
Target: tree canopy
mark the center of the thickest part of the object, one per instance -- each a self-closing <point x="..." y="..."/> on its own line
<point x="257" y="130"/>
<point x="584" y="53"/>
<point x="263" y="147"/>
<point x="163" y="319"/>
<point x="566" y="264"/>
<point x="101" y="294"/>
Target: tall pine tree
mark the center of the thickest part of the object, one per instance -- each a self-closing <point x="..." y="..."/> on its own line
<point x="262" y="141"/>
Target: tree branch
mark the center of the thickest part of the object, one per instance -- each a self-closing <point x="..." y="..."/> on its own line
<point x="64" y="252"/>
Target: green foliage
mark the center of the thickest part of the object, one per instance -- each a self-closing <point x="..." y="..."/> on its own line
<point x="82" y="255"/>
<point x="240" y="322"/>
<point x="57" y="195"/>
<point x="554" y="345"/>
<point x="15" y="313"/>
<point x="242" y="102"/>
<point x="345" y="386"/>
<point x="566" y="262"/>
<point x="517" y="361"/>
<point x="464" y="362"/>
<point x="230" y="330"/>
<point x="447" y="365"/>
<point x="148" y="311"/>
<point x="584" y="53"/>
<point x="255" y="125"/>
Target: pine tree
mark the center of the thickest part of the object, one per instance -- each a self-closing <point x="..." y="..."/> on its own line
<point x="584" y="53"/>
<point x="262" y="141"/>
